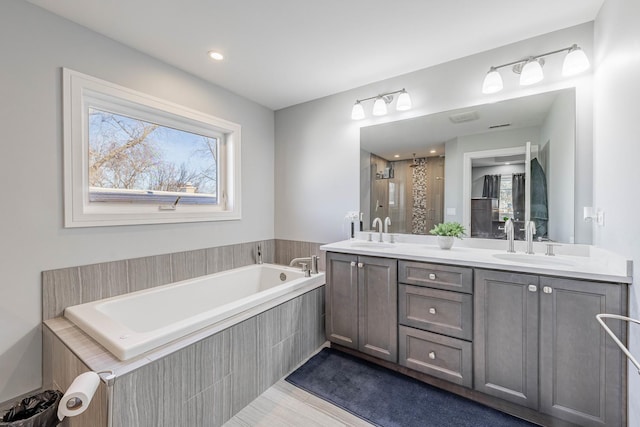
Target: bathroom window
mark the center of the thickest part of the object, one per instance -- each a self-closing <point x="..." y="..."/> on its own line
<point x="134" y="159"/>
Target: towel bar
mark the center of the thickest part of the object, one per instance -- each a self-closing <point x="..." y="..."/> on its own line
<point x="599" y="317"/>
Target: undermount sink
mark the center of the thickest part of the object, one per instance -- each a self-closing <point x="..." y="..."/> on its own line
<point x="541" y="260"/>
<point x="372" y="245"/>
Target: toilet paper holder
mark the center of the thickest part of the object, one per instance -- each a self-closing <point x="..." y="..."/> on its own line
<point x="77" y="398"/>
<point x="106" y="376"/>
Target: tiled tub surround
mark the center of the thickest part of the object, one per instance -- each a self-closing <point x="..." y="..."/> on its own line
<point x="69" y="286"/>
<point x="201" y="379"/>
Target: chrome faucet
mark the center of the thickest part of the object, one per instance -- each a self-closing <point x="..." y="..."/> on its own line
<point x="510" y="232"/>
<point x="529" y="231"/>
<point x="387" y="223"/>
<point x="313" y="260"/>
<point x="259" y="254"/>
<point x="379" y="222"/>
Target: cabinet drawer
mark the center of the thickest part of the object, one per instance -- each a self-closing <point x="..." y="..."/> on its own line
<point x="445" y="277"/>
<point x="444" y="312"/>
<point x="442" y="357"/>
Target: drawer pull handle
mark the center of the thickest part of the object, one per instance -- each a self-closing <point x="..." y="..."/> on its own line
<point x="533" y="288"/>
<point x="547" y="289"/>
<point x="360" y="265"/>
<point x="353" y="263"/>
<point x="432" y="276"/>
<point x="432" y="355"/>
<point x="432" y="310"/>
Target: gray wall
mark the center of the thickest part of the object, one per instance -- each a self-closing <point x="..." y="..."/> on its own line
<point x="35" y="45"/>
<point x="559" y="131"/>
<point x="318" y="145"/>
<point x="617" y="149"/>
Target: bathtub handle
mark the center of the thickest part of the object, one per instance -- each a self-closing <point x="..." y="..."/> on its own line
<point x="305" y="269"/>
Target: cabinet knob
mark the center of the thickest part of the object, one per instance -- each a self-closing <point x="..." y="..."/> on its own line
<point x="360" y="264"/>
<point x="353" y="263"/>
<point x="533" y="288"/>
<point x="547" y="289"/>
<point x="432" y="355"/>
<point x="432" y="276"/>
<point x="432" y="310"/>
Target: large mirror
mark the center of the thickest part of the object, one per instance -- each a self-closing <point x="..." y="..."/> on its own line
<point x="471" y="166"/>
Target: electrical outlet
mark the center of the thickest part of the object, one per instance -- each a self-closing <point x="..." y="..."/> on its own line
<point x="600" y="218"/>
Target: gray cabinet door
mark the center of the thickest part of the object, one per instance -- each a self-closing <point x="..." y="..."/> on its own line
<point x="506" y="336"/>
<point x="378" y="307"/>
<point x="341" y="299"/>
<point x="582" y="371"/>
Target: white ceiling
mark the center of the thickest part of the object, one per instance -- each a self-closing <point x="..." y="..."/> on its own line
<point x="283" y="52"/>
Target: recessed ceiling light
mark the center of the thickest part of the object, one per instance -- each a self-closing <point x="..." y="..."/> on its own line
<point x="396" y="155"/>
<point x="215" y="55"/>
<point x="433" y="151"/>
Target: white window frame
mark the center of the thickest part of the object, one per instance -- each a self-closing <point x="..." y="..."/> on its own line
<point x="82" y="92"/>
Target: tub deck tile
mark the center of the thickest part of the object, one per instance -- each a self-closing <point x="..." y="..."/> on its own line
<point x="149" y="272"/>
<point x="244" y="363"/>
<point x="112" y="276"/>
<point x="219" y="259"/>
<point x="221" y="355"/>
<point x="60" y="289"/>
<point x="187" y="265"/>
<point x="138" y="398"/>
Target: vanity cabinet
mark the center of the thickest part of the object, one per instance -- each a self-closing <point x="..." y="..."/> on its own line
<point x="537" y="343"/>
<point x="435" y="329"/>
<point x="361" y="304"/>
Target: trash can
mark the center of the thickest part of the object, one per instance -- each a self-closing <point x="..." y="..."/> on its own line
<point x="39" y="410"/>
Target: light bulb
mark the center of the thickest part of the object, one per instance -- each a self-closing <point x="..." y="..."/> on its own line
<point x="531" y="73"/>
<point x="357" y="113"/>
<point x="379" y="107"/>
<point x="404" y="101"/>
<point x="575" y="62"/>
<point x="492" y="82"/>
<point x="215" y="55"/>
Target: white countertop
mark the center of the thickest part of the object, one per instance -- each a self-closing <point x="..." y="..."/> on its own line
<point x="573" y="261"/>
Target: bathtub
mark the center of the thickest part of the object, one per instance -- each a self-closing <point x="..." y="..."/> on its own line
<point x="131" y="324"/>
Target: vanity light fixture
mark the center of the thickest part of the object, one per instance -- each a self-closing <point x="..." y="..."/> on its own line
<point x="531" y="72"/>
<point x="530" y="69"/>
<point x="380" y="104"/>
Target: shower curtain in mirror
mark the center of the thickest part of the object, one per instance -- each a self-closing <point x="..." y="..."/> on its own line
<point x="517" y="195"/>
<point x="491" y="187"/>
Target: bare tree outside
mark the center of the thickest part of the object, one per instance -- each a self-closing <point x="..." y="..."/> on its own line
<point x="128" y="153"/>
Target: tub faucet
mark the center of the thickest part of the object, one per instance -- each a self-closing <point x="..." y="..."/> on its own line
<point x="387" y="223"/>
<point x="510" y="232"/>
<point x="259" y="254"/>
<point x="529" y="231"/>
<point x="379" y="222"/>
<point x="313" y="260"/>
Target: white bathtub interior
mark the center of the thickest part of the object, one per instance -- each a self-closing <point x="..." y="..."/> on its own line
<point x="131" y="324"/>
